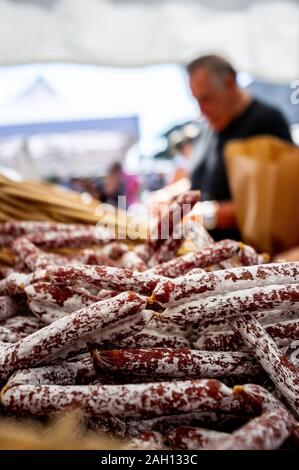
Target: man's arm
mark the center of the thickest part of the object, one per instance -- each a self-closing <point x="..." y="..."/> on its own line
<point x="219" y="215"/>
<point x="226" y="215"/>
<point x="274" y="123"/>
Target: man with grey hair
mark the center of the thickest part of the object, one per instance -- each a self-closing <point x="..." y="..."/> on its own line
<point x="230" y="113"/>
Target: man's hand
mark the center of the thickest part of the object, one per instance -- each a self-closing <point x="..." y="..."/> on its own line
<point x="215" y="214"/>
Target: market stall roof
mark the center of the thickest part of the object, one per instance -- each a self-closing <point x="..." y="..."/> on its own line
<point x="261" y="36"/>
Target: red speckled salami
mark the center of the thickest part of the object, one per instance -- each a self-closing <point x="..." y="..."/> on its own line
<point x="175" y="362"/>
<point x="91" y="257"/>
<point x="144" y="252"/>
<point x="148" y="338"/>
<point x="8" y="336"/>
<point x="114" y="250"/>
<point x="105" y="319"/>
<point x="24" y="325"/>
<point x="165" y="424"/>
<point x="169" y="292"/>
<point x="29" y="255"/>
<point x="283" y="373"/>
<point x="15" y="283"/>
<point x="219" y="341"/>
<point x="168" y="221"/>
<point x="191" y="438"/>
<point x="266" y="432"/>
<point x="282" y="333"/>
<point x="66" y="373"/>
<point x="76" y="238"/>
<point x="167" y="250"/>
<point x="256" y="399"/>
<point x="5" y="240"/>
<point x="106" y="294"/>
<point x="265" y="318"/>
<point x="152" y="440"/>
<point x="18" y="228"/>
<point x="137" y="400"/>
<point x="199" y="259"/>
<point x="44" y="297"/>
<point x="9" y="307"/>
<point x="249" y="257"/>
<point x="104" y="277"/>
<point x="26" y="253"/>
<point x="235" y="303"/>
<point x="131" y="260"/>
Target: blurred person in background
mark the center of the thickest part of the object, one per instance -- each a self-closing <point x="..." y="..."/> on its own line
<point x="230" y="113"/>
<point x="181" y="148"/>
<point x="113" y="185"/>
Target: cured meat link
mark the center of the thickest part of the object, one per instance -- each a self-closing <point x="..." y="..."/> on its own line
<point x="192" y="438"/>
<point x="249" y="257"/>
<point x="75" y="239"/>
<point x="167" y="250"/>
<point x="266" y="432"/>
<point x="66" y="373"/>
<point x="104" y="277"/>
<point x="131" y="260"/>
<point x="283" y="373"/>
<point x="256" y="399"/>
<point x="200" y="259"/>
<point x="8" y="336"/>
<point x="15" y="283"/>
<point x="171" y="217"/>
<point x="24" y="325"/>
<point x="9" y="307"/>
<point x="6" y="240"/>
<point x="175" y="362"/>
<point x="282" y="333"/>
<point x="29" y="255"/>
<point x="165" y="424"/>
<point x="148" y="338"/>
<point x="17" y="228"/>
<point x="102" y="319"/>
<point x="148" y="441"/>
<point x="247" y="301"/>
<point x="114" y="250"/>
<point x="182" y="289"/>
<point x="136" y="400"/>
<point x="43" y="296"/>
<point x="265" y="318"/>
<point x="90" y="257"/>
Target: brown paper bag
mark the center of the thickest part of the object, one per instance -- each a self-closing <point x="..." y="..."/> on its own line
<point x="263" y="174"/>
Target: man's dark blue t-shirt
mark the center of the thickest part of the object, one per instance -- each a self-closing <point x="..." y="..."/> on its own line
<point x="210" y="176"/>
<point x="257" y="119"/>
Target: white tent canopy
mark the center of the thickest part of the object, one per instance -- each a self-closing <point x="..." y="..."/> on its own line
<point x="260" y="36"/>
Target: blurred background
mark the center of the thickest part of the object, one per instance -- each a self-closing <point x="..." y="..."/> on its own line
<point x="94" y="93"/>
<point x="97" y="102"/>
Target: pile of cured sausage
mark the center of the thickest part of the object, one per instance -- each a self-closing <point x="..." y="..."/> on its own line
<point x="189" y="352"/>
